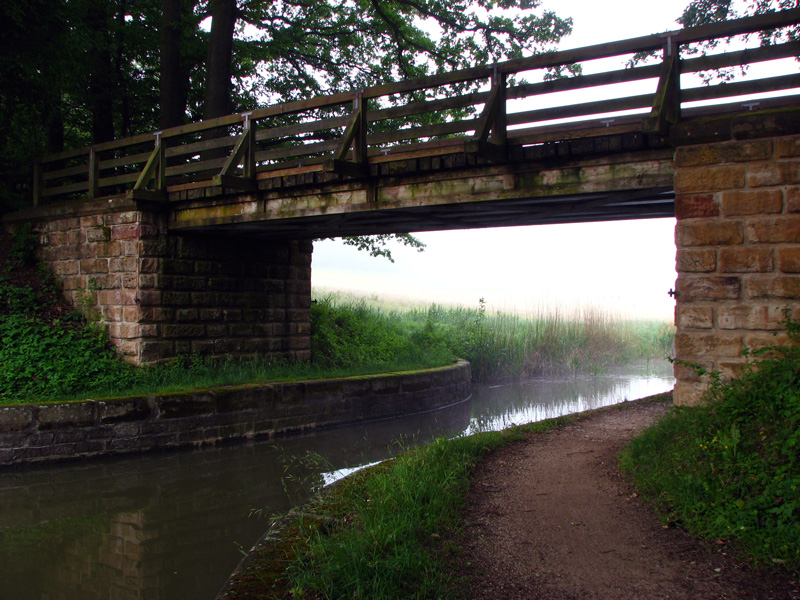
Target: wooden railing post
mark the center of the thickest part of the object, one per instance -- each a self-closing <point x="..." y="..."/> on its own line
<point x="94" y="172"/>
<point x="155" y="169"/>
<point x="244" y="153"/>
<point x="360" y="139"/>
<point x="499" y="134"/>
<point x="249" y="163"/>
<point x="37" y="181"/>
<point x="355" y="137"/>
<point x="667" y="102"/>
<point x="493" y="120"/>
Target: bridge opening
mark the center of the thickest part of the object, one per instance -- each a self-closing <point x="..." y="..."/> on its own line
<point x="623" y="267"/>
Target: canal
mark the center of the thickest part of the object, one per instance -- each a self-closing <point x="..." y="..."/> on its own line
<point x="173" y="525"/>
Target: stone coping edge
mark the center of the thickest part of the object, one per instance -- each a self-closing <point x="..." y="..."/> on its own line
<point x="36" y="433"/>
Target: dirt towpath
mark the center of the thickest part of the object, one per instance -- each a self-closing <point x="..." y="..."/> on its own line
<point x="554" y="519"/>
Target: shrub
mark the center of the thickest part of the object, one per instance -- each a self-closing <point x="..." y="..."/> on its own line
<point x="730" y="469"/>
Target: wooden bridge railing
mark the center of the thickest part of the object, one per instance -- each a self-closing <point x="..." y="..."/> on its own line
<point x="347" y="132"/>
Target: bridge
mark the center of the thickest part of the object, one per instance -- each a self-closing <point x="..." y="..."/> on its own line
<point x="196" y="239"/>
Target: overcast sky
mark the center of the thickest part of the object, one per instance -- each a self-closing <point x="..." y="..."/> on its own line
<point x="626" y="267"/>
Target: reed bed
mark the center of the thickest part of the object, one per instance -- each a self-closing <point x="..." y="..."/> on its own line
<point x="507" y="346"/>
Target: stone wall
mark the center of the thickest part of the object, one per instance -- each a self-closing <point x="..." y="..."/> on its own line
<point x="160" y="295"/>
<point x="738" y="252"/>
<point x="36" y="433"/>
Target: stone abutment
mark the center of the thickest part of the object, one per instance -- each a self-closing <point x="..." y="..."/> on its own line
<point x="738" y="253"/>
<point x="161" y="295"/>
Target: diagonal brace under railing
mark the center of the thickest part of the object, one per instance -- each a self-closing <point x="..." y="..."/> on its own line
<point x="355" y="137"/>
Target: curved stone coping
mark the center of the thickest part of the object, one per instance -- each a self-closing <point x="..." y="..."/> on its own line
<point x="46" y="432"/>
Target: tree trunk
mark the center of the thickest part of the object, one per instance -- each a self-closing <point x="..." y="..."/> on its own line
<point x="101" y="76"/>
<point x="173" y="78"/>
<point x="218" y="89"/>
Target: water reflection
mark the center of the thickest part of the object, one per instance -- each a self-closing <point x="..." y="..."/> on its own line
<point x="500" y="407"/>
<point x="170" y="526"/>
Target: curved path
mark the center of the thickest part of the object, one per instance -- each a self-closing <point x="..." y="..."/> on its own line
<point x="553" y="519"/>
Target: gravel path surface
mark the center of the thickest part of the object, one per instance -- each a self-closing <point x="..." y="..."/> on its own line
<point x="554" y="519"/>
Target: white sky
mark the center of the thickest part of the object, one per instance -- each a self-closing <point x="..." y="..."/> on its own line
<point x="626" y="267"/>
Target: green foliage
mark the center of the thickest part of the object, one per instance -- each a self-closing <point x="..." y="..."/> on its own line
<point x="82" y="71"/>
<point x="381" y="524"/>
<point x="51" y="361"/>
<point x="379" y="532"/>
<point x="352" y="334"/>
<point x="730" y="469"/>
<point x="376" y="245"/>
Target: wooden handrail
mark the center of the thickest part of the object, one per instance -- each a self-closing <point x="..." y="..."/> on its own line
<point x="322" y="130"/>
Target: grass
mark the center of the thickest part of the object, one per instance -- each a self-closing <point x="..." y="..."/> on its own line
<point x="66" y="358"/>
<point x="377" y="534"/>
<point x="50" y="352"/>
<point x="512" y="347"/>
<point x="730" y="469"/>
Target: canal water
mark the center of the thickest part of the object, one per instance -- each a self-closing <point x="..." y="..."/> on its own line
<point x="172" y="526"/>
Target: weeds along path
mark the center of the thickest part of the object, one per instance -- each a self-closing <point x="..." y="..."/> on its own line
<point x="554" y="519"/>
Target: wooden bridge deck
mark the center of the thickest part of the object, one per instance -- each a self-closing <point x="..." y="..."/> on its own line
<point x="360" y="162"/>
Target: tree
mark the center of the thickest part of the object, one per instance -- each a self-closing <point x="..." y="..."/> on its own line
<point x="83" y="71"/>
<point x="701" y="12"/>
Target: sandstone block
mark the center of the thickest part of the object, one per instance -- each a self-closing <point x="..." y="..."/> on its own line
<point x="63" y="269"/>
<point x="149" y="265"/>
<point x="708" y="232"/>
<point x="696" y="260"/>
<point x="216" y="330"/>
<point x="107" y="249"/>
<point x="97" y="265"/>
<point x="772" y="286"/>
<point x="771" y="174"/>
<point x="89" y="221"/>
<point x="774" y="230"/>
<point x="700" y="288"/>
<point x="117" y="297"/>
<point x="760" y="340"/>
<point x="694" y="317"/>
<point x="123" y="218"/>
<point x="98" y="234"/>
<point x="176" y="298"/>
<point x="183" y="330"/>
<point x="792" y="197"/>
<point x="122" y="265"/>
<point x="787" y="147"/>
<point x="186" y="314"/>
<point x="789" y="259"/>
<point x="106" y="282"/>
<point x="75" y="236"/>
<point x="151" y="330"/>
<point x="686" y="373"/>
<point x="751" y="202"/>
<point x="708" y="345"/>
<point x="709" y="179"/>
<point x="769" y="317"/>
<point x="746" y="260"/>
<point x="155" y="350"/>
<point x="241" y="329"/>
<point x="113" y="313"/>
<point x="737" y="151"/>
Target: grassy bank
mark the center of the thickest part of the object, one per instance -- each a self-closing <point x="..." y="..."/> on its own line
<point x="49" y="351"/>
<point x="376" y="534"/>
<point x="730" y="469"/>
<point x="65" y="357"/>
